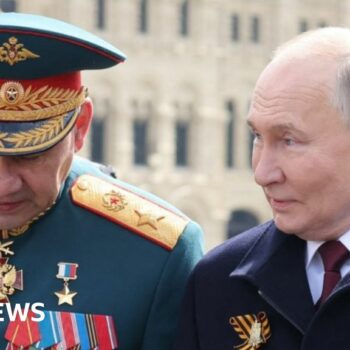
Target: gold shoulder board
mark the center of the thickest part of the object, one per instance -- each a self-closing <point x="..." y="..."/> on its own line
<point x="129" y="209"/>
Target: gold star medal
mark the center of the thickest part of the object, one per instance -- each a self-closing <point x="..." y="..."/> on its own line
<point x="67" y="272"/>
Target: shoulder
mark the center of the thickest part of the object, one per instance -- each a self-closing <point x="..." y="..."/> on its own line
<point x="229" y="254"/>
<point x="138" y="211"/>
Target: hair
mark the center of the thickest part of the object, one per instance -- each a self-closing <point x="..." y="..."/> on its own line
<point x="330" y="43"/>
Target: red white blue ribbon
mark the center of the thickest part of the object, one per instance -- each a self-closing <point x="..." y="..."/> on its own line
<point x="67" y="270"/>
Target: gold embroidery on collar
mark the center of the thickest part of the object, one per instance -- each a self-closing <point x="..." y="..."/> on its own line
<point x="14" y="232"/>
<point x="17" y="231"/>
<point x="13" y="52"/>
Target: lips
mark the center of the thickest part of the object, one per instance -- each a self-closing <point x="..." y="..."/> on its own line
<point x="280" y="204"/>
<point x="6" y="207"/>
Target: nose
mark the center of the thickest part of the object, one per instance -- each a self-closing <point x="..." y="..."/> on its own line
<point x="10" y="180"/>
<point x="266" y="166"/>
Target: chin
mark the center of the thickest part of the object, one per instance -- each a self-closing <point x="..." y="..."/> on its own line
<point x="298" y="231"/>
<point x="6" y="226"/>
<point x="12" y="223"/>
<point x="286" y="226"/>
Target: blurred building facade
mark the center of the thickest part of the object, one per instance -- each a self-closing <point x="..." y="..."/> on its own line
<point x="172" y="119"/>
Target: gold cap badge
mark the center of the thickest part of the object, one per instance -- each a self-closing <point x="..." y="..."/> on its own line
<point x="13" y="52"/>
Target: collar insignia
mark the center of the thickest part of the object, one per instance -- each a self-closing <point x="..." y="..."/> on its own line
<point x="13" y="52"/>
<point x="254" y="330"/>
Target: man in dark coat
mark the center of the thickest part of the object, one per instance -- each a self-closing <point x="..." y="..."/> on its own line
<point x="286" y="284"/>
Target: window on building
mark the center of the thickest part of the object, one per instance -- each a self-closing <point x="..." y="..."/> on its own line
<point x="140" y="135"/>
<point x="8" y="5"/>
<point x="240" y="221"/>
<point x="230" y="111"/>
<point x="97" y="140"/>
<point x="101" y="14"/>
<point x="184" y="18"/>
<point x="181" y="134"/>
<point x="255" y="29"/>
<point x="143" y="16"/>
<point x="303" y="26"/>
<point x="235" y="33"/>
<point x="142" y="117"/>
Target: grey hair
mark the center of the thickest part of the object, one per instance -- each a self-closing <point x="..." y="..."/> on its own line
<point x="330" y="43"/>
<point x="341" y="96"/>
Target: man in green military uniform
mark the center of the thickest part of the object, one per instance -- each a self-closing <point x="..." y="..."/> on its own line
<point x="107" y="261"/>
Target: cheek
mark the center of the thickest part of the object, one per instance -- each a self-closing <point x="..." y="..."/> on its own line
<point x="47" y="184"/>
<point x="321" y="184"/>
<point x="64" y="168"/>
<point x="310" y="175"/>
<point x="42" y="187"/>
<point x="63" y="159"/>
<point x="255" y="157"/>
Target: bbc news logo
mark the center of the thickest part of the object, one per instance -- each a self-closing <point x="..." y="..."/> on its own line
<point x="17" y="311"/>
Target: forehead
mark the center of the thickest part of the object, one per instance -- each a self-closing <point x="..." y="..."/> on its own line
<point x="287" y="76"/>
<point x="288" y="91"/>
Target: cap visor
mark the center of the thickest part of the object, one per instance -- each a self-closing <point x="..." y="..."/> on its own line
<point x="23" y="138"/>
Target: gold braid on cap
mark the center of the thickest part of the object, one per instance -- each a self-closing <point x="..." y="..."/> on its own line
<point x="19" y="104"/>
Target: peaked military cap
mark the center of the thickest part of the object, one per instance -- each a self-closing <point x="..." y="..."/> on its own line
<point x="40" y="83"/>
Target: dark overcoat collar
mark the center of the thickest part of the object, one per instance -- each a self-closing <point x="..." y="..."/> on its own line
<point x="276" y="266"/>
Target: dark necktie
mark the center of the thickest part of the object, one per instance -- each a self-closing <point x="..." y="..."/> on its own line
<point x="333" y="254"/>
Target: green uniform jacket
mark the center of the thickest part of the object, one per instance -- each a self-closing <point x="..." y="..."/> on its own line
<point x="120" y="273"/>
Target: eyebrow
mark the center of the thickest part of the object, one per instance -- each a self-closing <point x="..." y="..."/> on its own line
<point x="280" y="127"/>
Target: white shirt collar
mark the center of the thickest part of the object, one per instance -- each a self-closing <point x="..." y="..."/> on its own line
<point x="312" y="246"/>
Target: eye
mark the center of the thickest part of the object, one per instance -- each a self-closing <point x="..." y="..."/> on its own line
<point x="30" y="156"/>
<point x="36" y="157"/>
<point x="289" y="141"/>
<point x="256" y="137"/>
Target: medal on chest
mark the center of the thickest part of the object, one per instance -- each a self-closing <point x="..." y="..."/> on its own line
<point x="10" y="279"/>
<point x="66" y="272"/>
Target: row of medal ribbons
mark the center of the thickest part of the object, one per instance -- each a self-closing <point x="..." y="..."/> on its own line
<point x="62" y="331"/>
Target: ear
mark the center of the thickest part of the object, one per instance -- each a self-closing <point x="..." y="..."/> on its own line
<point x="83" y="123"/>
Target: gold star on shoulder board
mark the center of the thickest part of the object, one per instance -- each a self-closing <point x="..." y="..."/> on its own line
<point x="146" y="218"/>
<point x="65" y="296"/>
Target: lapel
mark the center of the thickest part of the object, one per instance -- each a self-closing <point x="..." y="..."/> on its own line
<point x="276" y="266"/>
<point x="343" y="284"/>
